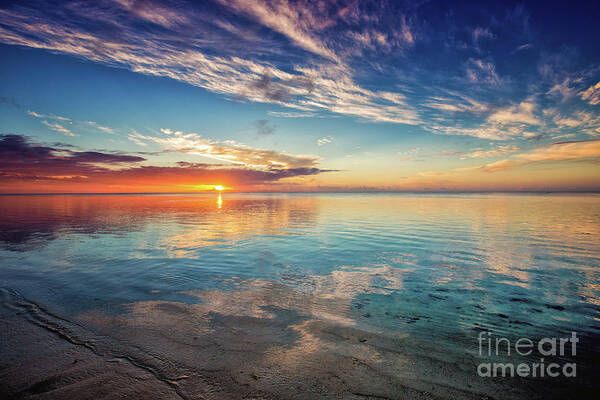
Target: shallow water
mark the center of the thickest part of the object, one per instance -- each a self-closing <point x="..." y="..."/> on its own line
<point x="428" y="272"/>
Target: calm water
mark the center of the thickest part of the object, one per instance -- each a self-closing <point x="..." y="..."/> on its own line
<point x="434" y="269"/>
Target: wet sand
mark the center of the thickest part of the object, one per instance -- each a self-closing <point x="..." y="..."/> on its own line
<point x="40" y="360"/>
<point x="152" y="353"/>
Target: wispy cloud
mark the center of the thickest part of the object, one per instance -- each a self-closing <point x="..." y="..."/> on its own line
<point x="592" y="94"/>
<point x="326" y="85"/>
<point x="564" y="136"/>
<point x="61" y="128"/>
<point x="555" y="152"/>
<point x="565" y="88"/>
<point x="575" y="121"/>
<point x="415" y="154"/>
<point x="456" y="102"/>
<point x="48" y="116"/>
<point x="154" y="12"/>
<point x="298" y="24"/>
<point x="499" y="151"/>
<point x="522" y="113"/>
<point x="525" y="46"/>
<point x="325" y="140"/>
<point x="137" y="138"/>
<point x="288" y="114"/>
<point x="325" y="59"/>
<point x="229" y="151"/>
<point x="479" y="71"/>
<point x="100" y="127"/>
<point x="479" y="34"/>
<point x="55" y="126"/>
<point x="500" y="123"/>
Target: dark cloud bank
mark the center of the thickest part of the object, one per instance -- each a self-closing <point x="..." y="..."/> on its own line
<point x="24" y="161"/>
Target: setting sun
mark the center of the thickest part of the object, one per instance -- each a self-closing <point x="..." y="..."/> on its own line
<point x="410" y="190"/>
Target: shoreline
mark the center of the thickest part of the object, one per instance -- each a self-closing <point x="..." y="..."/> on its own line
<point x="40" y="360"/>
<point x="48" y="357"/>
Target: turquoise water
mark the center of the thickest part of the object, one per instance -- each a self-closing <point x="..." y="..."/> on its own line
<point x="438" y="269"/>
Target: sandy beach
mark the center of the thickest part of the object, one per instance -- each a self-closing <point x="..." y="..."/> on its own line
<point x="168" y="352"/>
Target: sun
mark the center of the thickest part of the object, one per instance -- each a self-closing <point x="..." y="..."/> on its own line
<point x="219" y="188"/>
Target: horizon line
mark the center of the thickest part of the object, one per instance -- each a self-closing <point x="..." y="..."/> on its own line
<point x="596" y="191"/>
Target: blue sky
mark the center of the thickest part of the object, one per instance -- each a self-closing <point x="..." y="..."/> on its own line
<point x="317" y="95"/>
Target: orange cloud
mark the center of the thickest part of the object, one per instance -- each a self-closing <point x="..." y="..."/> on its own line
<point x="233" y="152"/>
<point x="592" y="94"/>
<point x="26" y="167"/>
<point x="559" y="151"/>
<point x="501" y="150"/>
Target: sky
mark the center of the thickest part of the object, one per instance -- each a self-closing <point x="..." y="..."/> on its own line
<point x="122" y="96"/>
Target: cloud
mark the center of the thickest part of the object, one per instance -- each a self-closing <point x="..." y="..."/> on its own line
<point x="457" y="102"/>
<point x="286" y="114"/>
<point x="229" y="151"/>
<point x="297" y="24"/>
<point x="264" y="128"/>
<point x="499" y="151"/>
<point x="58" y="128"/>
<point x="490" y="131"/>
<point x="413" y="154"/>
<point x="200" y="174"/>
<point x="499" y="166"/>
<point x="565" y="136"/>
<point x="525" y="46"/>
<point x="25" y="163"/>
<point x="55" y="126"/>
<point x="48" y="116"/>
<point x="326" y="59"/>
<point x="406" y="33"/>
<point x="100" y="127"/>
<point x="481" y="33"/>
<point x="370" y="38"/>
<point x="325" y="140"/>
<point x="20" y="157"/>
<point x="522" y="113"/>
<point x="137" y="138"/>
<point x="153" y="11"/>
<point x="574" y="120"/>
<point x="561" y="151"/>
<point x="592" y="94"/>
<point x="479" y="71"/>
<point x="564" y="89"/>
<point x="101" y="33"/>
<point x="555" y="152"/>
<point x="447" y="154"/>
<point x="571" y="122"/>
<point x="277" y="92"/>
<point x="524" y="119"/>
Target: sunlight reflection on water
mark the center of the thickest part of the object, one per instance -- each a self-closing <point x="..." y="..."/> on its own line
<point x="440" y="268"/>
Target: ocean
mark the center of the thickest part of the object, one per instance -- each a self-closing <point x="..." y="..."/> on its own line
<point x="318" y="295"/>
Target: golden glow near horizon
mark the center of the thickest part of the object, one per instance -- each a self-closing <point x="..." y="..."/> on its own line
<point x="505" y="114"/>
<point x="203" y="188"/>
